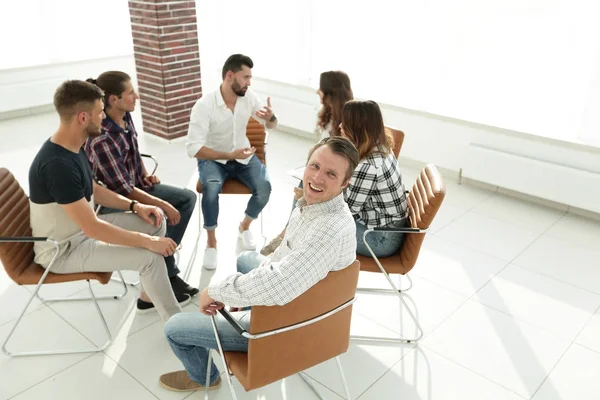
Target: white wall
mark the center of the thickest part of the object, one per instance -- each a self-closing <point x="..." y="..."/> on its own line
<point x="32" y="87"/>
<point x="562" y="172"/>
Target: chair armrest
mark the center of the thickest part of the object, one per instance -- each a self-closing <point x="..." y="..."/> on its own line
<point x="153" y="160"/>
<point x="8" y="239"/>
<point x="232" y="321"/>
<point x="404" y="230"/>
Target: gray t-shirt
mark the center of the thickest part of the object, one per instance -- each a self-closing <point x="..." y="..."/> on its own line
<point x="57" y="176"/>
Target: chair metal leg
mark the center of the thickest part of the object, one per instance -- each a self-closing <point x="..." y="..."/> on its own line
<point x="65" y="351"/>
<point x="207" y="381"/>
<point x="339" y="365"/>
<point x="121" y="279"/>
<point x="82" y="298"/>
<point x="306" y="379"/>
<point x="400" y="295"/>
<point x="190" y="264"/>
<point x="397" y="292"/>
<point x="227" y="374"/>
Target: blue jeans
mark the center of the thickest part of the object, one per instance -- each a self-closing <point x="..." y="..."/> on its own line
<point x="212" y="176"/>
<point x="383" y="244"/>
<point x="184" y="201"/>
<point x="191" y="336"/>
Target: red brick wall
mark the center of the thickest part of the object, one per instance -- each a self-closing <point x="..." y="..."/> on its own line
<point x="167" y="61"/>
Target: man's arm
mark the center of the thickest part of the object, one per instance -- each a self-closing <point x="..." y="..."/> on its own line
<point x="95" y="228"/>
<point x="103" y="156"/>
<point x="278" y="283"/>
<point x="110" y="199"/>
<point x="198" y="134"/>
<point x="265" y="113"/>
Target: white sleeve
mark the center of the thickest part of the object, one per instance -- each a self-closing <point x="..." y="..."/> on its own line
<point x="198" y="129"/>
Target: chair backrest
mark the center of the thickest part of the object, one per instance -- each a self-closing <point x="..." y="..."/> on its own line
<point x="14" y="221"/>
<point x="424" y="201"/>
<point x="398" y="136"/>
<point x="276" y="357"/>
<point x="256" y="133"/>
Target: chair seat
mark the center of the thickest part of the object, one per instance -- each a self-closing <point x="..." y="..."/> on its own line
<point x="392" y="264"/>
<point x="231" y="186"/>
<point x="33" y="272"/>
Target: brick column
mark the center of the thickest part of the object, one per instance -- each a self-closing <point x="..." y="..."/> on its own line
<point x="167" y="61"/>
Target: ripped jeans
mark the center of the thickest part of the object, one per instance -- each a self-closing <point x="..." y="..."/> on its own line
<point x="213" y="174"/>
<point x="383" y="244"/>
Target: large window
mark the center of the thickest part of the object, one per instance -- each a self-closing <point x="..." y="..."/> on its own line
<point x="41" y="32"/>
<point x="514" y="64"/>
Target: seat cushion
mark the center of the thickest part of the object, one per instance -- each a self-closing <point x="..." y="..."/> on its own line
<point x="32" y="274"/>
<point x="392" y="264"/>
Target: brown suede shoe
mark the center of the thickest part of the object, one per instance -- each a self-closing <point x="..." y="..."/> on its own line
<point x="179" y="381"/>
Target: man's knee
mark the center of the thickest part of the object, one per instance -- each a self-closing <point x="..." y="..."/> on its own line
<point x="211" y="188"/>
<point x="190" y="198"/>
<point x="174" y="326"/>
<point x="263" y="188"/>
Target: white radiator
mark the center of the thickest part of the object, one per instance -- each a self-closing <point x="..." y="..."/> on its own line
<point x="547" y="180"/>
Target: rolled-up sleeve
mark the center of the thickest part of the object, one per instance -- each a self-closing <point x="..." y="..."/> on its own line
<point x="198" y="129"/>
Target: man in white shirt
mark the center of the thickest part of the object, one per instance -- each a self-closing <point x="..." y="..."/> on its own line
<point x="321" y="237"/>
<point x="217" y="138"/>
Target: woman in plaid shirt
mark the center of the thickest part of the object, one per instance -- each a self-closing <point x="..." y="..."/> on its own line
<point x="375" y="194"/>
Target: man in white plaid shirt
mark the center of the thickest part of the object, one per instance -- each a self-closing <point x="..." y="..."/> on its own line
<point x="321" y="237"/>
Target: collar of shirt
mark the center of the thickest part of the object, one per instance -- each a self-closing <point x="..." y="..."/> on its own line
<point x="325" y="207"/>
<point x="112" y="127"/>
<point x="219" y="99"/>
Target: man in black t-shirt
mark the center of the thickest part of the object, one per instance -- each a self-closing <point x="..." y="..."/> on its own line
<point x="62" y="198"/>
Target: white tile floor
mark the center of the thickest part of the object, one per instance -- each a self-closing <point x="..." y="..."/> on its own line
<point x="507" y="291"/>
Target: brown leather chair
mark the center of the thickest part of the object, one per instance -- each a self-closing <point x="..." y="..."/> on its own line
<point x="285" y="340"/>
<point x="258" y="137"/>
<point x="424" y="201"/>
<point x="16" y="255"/>
<point x="398" y="136"/>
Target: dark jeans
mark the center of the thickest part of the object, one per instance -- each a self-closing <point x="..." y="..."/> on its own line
<point x="184" y="201"/>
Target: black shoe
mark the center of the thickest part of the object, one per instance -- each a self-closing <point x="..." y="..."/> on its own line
<point x="180" y="286"/>
<point x="144" y="307"/>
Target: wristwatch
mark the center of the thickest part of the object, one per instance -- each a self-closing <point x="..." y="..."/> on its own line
<point x="273" y="118"/>
<point x="132" y="204"/>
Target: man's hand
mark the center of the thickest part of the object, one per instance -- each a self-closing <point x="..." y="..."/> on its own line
<point x="209" y="306"/>
<point x="151" y="180"/>
<point x="173" y="216"/>
<point x="267" y="112"/>
<point x="298" y="192"/>
<point x="241" y="154"/>
<point x="162" y="245"/>
<point x="144" y="212"/>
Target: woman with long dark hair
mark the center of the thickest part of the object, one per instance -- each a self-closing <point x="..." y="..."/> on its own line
<point x="334" y="91"/>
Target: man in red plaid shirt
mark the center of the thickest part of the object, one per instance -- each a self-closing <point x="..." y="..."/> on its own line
<point x="116" y="161"/>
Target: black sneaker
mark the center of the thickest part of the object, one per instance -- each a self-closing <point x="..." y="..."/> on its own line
<point x="144" y="307"/>
<point x="181" y="286"/>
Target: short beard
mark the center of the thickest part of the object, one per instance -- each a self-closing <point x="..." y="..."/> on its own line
<point x="237" y="89"/>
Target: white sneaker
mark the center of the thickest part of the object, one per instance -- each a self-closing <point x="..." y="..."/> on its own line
<point x="210" y="258"/>
<point x="248" y="242"/>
